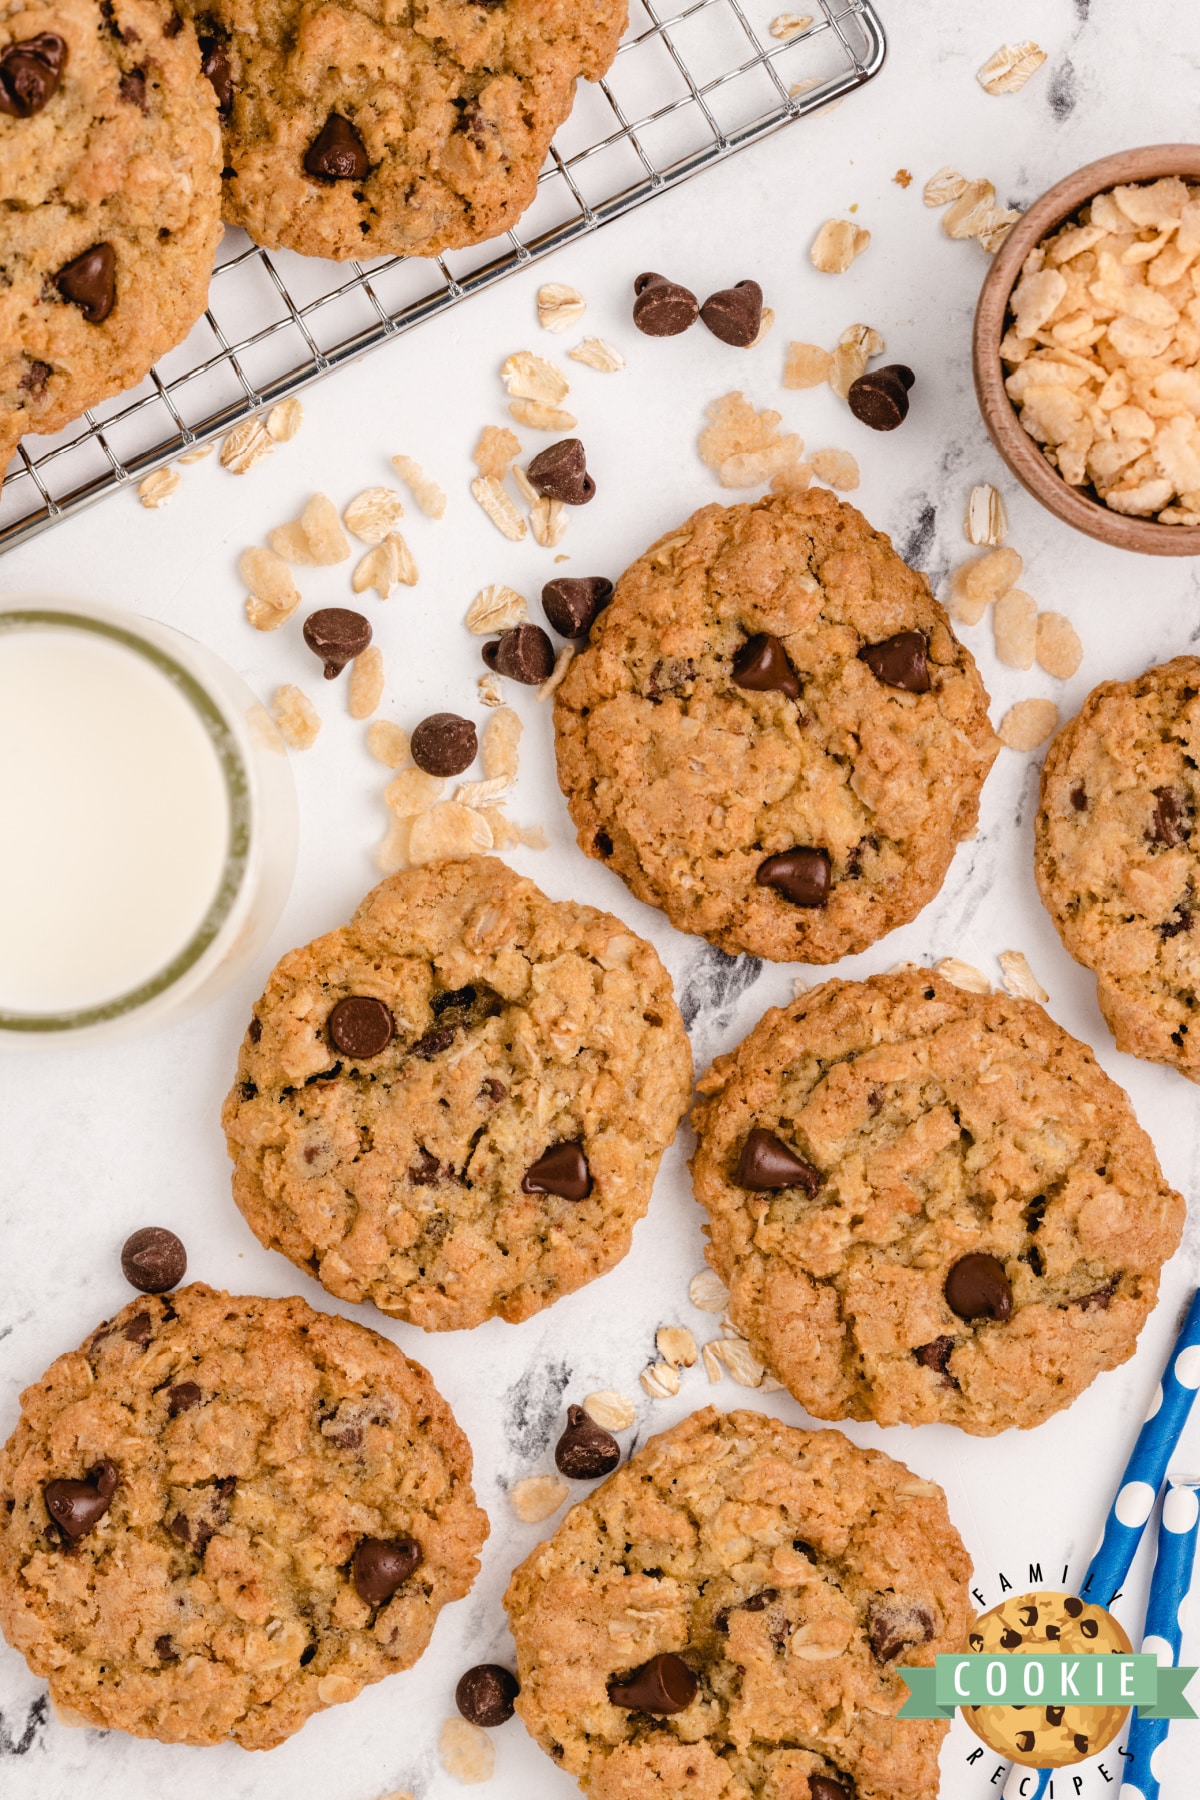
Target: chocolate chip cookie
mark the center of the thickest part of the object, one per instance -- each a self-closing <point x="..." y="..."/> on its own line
<point x="1047" y="1737"/>
<point x="774" y="734"/>
<point x="110" y="173"/>
<point x="1118" y="856"/>
<point x="455" y="1105"/>
<point x="355" y="131"/>
<point x="724" y="1617"/>
<point x="929" y="1205"/>
<point x="222" y="1515"/>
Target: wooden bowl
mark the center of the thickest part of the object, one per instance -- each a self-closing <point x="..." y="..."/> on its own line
<point x="1075" y="506"/>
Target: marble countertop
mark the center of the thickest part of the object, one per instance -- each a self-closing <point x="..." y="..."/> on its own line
<point x="97" y="1142"/>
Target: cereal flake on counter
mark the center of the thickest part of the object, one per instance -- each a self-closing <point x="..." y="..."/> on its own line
<point x="530" y="377"/>
<point x="296" y="716"/>
<point x="373" y="513"/>
<point x="315" y="538"/>
<point x="366" y="682"/>
<point x="744" y="446"/>
<point x="1058" y="648"/>
<point x="1015" y="629"/>
<point x="424" y="490"/>
<point x="388" y="743"/>
<point x="274" y="596"/>
<point x="467" y="1752"/>
<point x="540" y="417"/>
<point x="836" y="468"/>
<point x="381" y="568"/>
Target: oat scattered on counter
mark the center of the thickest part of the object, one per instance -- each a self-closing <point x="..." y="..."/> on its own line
<point x="837" y="244"/>
<point x="296" y="716"/>
<point x="530" y="377"/>
<point x="547" y="521"/>
<point x="491" y="693"/>
<point x="856" y="346"/>
<point x="1009" y="68"/>
<point x="316" y="537"/>
<point x="540" y="417"/>
<point x="1019" y="979"/>
<point x="388" y="743"/>
<point x="381" y="568"/>
<point x="245" y="445"/>
<point x="962" y="975"/>
<point x="498" y="507"/>
<point x="158" y="487"/>
<point x="499" y="749"/>
<point x="557" y="675"/>
<point x="837" y="468"/>
<point x="495" y="608"/>
<point x="612" y="1410"/>
<point x="196" y="454"/>
<point x="559" y="306"/>
<point x="740" y="1361"/>
<point x="765" y="323"/>
<point x="467" y="1752"/>
<point x="946" y="185"/>
<point x="426" y="492"/>
<point x="285" y="420"/>
<point x="373" y="514"/>
<point x="1028" y="724"/>
<point x="660" y="1380"/>
<point x="787" y="25"/>
<point x="973" y="212"/>
<point x="711" y="1361"/>
<point x="676" y="1345"/>
<point x="365" y="689"/>
<point x="537" y="1496"/>
<point x="598" y="353"/>
<point x="707" y="1292"/>
<point x="987" y="517"/>
<point x="274" y="596"/>
<point x="1015" y="628"/>
<point x="1059" y="650"/>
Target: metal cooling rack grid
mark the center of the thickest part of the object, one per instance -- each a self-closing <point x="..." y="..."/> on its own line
<point x="686" y="90"/>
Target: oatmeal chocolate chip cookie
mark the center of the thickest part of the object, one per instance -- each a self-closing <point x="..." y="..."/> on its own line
<point x="724" y="1618"/>
<point x="455" y="1105"/>
<point x="365" y="129"/>
<point x="929" y="1205"/>
<point x="222" y="1515"/>
<point x="1118" y="856"/>
<point x="110" y="172"/>
<point x="1047" y="1737"/>
<point x="774" y="734"/>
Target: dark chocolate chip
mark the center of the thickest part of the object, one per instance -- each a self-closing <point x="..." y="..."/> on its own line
<point x="665" y="1684"/>
<point x="444" y="744"/>
<point x="572" y="603"/>
<point x="603" y="844"/>
<point x="34" y="380"/>
<point x="900" y="661"/>
<point x="1168" y="824"/>
<point x="153" y="1260"/>
<point x="1054" y="1715"/>
<point x="30" y="74"/>
<point x="735" y="314"/>
<point x="895" y="1625"/>
<point x="132" y="88"/>
<point x="361" y="1026"/>
<point x="759" y="1602"/>
<point x="800" y="875"/>
<point x="762" y="666"/>
<point x="562" y="1170"/>
<point x="1100" y="1297"/>
<point x="766" y="1164"/>
<point x="165" y="1650"/>
<point x="662" y="308"/>
<point x="821" y="1787"/>
<point x="1079" y="799"/>
<point x="585" y="1451"/>
<point x="433" y="1043"/>
<point x="523" y="654"/>
<point x="1025" y="1741"/>
<point x="139" y="1330"/>
<point x="1072" y="1606"/>
<point x="978" y="1288"/>
<point x="77" y="1506"/>
<point x="182" y="1397"/>
<point x="381" y="1565"/>
<point x="1080" y="1742"/>
<point x="1089" y="1628"/>
<point x="90" y="282"/>
<point x="936" y="1354"/>
<point x="337" y="153"/>
<point x="485" y="1694"/>
<point x="336" y="634"/>
<point x="1028" y="1616"/>
<point x="214" y="63"/>
<point x="559" y="472"/>
<point x="880" y="397"/>
<point x="492" y="1091"/>
<point x="1010" y="1639"/>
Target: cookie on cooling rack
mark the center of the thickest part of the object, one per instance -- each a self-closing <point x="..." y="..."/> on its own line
<point x="1118" y="856"/>
<point x="929" y="1205"/>
<point x="455" y="1105"/>
<point x="373" y="130"/>
<point x="774" y="734"/>
<point x="110" y="172"/>
<point x="222" y="1515"/>
<point x="725" y="1615"/>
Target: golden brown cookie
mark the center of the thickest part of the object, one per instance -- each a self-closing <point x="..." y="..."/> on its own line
<point x="760" y="1582"/>
<point x="110" y="175"/>
<point x="1118" y="859"/>
<point x="222" y="1515"/>
<point x="455" y="1105"/>
<point x="355" y="130"/>
<point x="1047" y="1737"/>
<point x="774" y="734"/>
<point x="929" y="1205"/>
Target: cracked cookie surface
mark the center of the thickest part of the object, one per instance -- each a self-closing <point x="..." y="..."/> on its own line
<point x="1118" y="858"/>
<point x="966" y="1223"/>
<point x="109" y="144"/>
<point x="791" y="1572"/>
<point x="685" y="780"/>
<point x="254" y="1445"/>
<point x="355" y="130"/>
<point x="522" y="1027"/>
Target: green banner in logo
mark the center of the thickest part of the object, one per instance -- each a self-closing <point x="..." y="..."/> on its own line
<point x="1053" y="1679"/>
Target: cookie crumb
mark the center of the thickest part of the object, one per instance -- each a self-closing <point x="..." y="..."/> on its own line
<point x="1028" y="724"/>
<point x="467" y="1752"/>
<point x="903" y="178"/>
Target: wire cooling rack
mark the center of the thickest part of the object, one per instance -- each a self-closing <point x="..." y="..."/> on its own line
<point x="688" y="88"/>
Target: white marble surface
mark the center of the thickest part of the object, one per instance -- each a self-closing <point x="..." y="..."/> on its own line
<point x="96" y="1143"/>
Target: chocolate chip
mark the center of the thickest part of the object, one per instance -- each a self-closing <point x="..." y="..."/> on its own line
<point x="735" y="314"/>
<point x="573" y="601"/>
<point x="665" y="1684"/>
<point x="1169" y="817"/>
<point x="978" y="1288"/>
<point x="603" y="844"/>
<point x="821" y="1787"/>
<point x="896" y="1625"/>
<point x="800" y="875"/>
<point x="1025" y="1741"/>
<point x="1080" y="1742"/>
<point x="34" y="380"/>
<point x="762" y="666"/>
<point x="336" y="634"/>
<point x="880" y="398"/>
<point x="433" y="1043"/>
<point x="562" y="1170"/>
<point x="585" y="1451"/>
<point x="1079" y="799"/>
<point x="766" y="1164"/>
<point x="492" y="1091"/>
<point x="444" y="744"/>
<point x="165" y="1650"/>
<point x="361" y="1026"/>
<point x="900" y="661"/>
<point x="523" y="654"/>
<point x="381" y="1565"/>
<point x="132" y="88"/>
<point x="560" y="473"/>
<point x="485" y="1694"/>
<point x="214" y="63"/>
<point x="936" y="1354"/>
<point x="139" y="1330"/>
<point x="759" y="1602"/>
<point x="662" y="308"/>
<point x="1028" y="1616"/>
<point x="1100" y="1297"/>
<point x="30" y="74"/>
<point x="1089" y="1627"/>
<point x="1054" y="1715"/>
<point x="77" y="1506"/>
<point x="1072" y="1606"/>
<point x="337" y="153"/>
<point x="153" y="1260"/>
<point x="90" y="282"/>
<point x="1010" y="1639"/>
<point x="182" y="1398"/>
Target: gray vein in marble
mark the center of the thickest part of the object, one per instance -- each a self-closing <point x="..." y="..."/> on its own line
<point x="20" y="1739"/>
<point x="532" y="1405"/>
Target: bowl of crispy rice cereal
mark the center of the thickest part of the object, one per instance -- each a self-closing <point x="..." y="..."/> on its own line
<point x="1086" y="349"/>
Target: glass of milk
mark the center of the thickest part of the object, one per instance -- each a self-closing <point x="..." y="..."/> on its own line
<point x="147" y="823"/>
